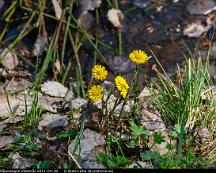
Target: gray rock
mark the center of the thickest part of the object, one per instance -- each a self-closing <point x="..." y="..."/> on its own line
<point x="201" y="6"/>
<point x="144" y="97"/>
<point x="77" y="103"/>
<point x="141" y="3"/>
<point x="2" y="126"/>
<point x="50" y="121"/>
<point x="89" y="141"/>
<point x="203" y="134"/>
<point x="20" y="162"/>
<point x="5" y="142"/>
<point x="18" y="104"/>
<point x="92" y="165"/>
<point x="121" y="64"/>
<point x="17" y="85"/>
<point x="161" y="148"/>
<point x="54" y="89"/>
<point x="152" y="121"/>
<point x="145" y="165"/>
<point x="110" y="105"/>
<point x="14" y="120"/>
<point x="69" y="95"/>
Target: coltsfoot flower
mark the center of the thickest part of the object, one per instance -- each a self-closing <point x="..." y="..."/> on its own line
<point x="123" y="93"/>
<point x="99" y="72"/>
<point x="138" y="57"/>
<point x="96" y="92"/>
<point x="121" y="85"/>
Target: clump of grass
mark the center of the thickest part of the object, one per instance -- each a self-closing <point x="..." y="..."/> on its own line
<point x="187" y="100"/>
<point x="5" y="161"/>
<point x="190" y="94"/>
<point x="31" y="118"/>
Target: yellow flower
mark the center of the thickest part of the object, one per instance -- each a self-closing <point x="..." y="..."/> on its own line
<point x="95" y="92"/>
<point x="121" y="85"/>
<point x="138" y="56"/>
<point x="123" y="93"/>
<point x="99" y="72"/>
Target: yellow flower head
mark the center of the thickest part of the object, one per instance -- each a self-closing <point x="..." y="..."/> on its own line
<point x="95" y="92"/>
<point x="123" y="93"/>
<point x="121" y="85"/>
<point x="99" y="72"/>
<point x="138" y="56"/>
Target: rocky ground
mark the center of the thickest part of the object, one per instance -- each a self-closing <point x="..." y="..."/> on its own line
<point x="63" y="118"/>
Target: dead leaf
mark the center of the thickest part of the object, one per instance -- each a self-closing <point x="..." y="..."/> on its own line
<point x="58" y="66"/>
<point x="57" y="8"/>
<point x="10" y="60"/>
<point x="5" y="142"/>
<point x="115" y="16"/>
<point x="201" y="6"/>
<point x="54" y="89"/>
<point x="17" y="85"/>
<point x="8" y="107"/>
<point x="20" y="162"/>
<point x="90" y="140"/>
<point x="40" y="45"/>
<point x="50" y="121"/>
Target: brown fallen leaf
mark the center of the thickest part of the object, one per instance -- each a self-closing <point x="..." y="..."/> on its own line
<point x="115" y="16"/>
<point x="57" y="8"/>
<point x="58" y="66"/>
<point x="9" y="59"/>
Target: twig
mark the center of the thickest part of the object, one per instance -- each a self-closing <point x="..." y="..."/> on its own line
<point x="78" y="165"/>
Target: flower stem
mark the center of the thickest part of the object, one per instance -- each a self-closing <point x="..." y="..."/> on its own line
<point x="121" y="112"/>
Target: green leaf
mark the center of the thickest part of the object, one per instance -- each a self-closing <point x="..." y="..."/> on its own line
<point x="174" y="134"/>
<point x="158" y="138"/>
<point x="145" y="156"/>
<point x="67" y="165"/>
<point x="102" y="157"/>
<point x="31" y="147"/>
<point x="121" y="161"/>
<point x="177" y="128"/>
<point x="133" y="143"/>
<point x="43" y="164"/>
<point x="138" y="130"/>
<point x="4" y="162"/>
<point x="149" y="155"/>
<point x="112" y="164"/>
<point x="23" y="139"/>
<point x="67" y="134"/>
<point x="170" y="147"/>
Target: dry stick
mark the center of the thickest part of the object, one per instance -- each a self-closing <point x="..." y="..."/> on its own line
<point x="74" y="159"/>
